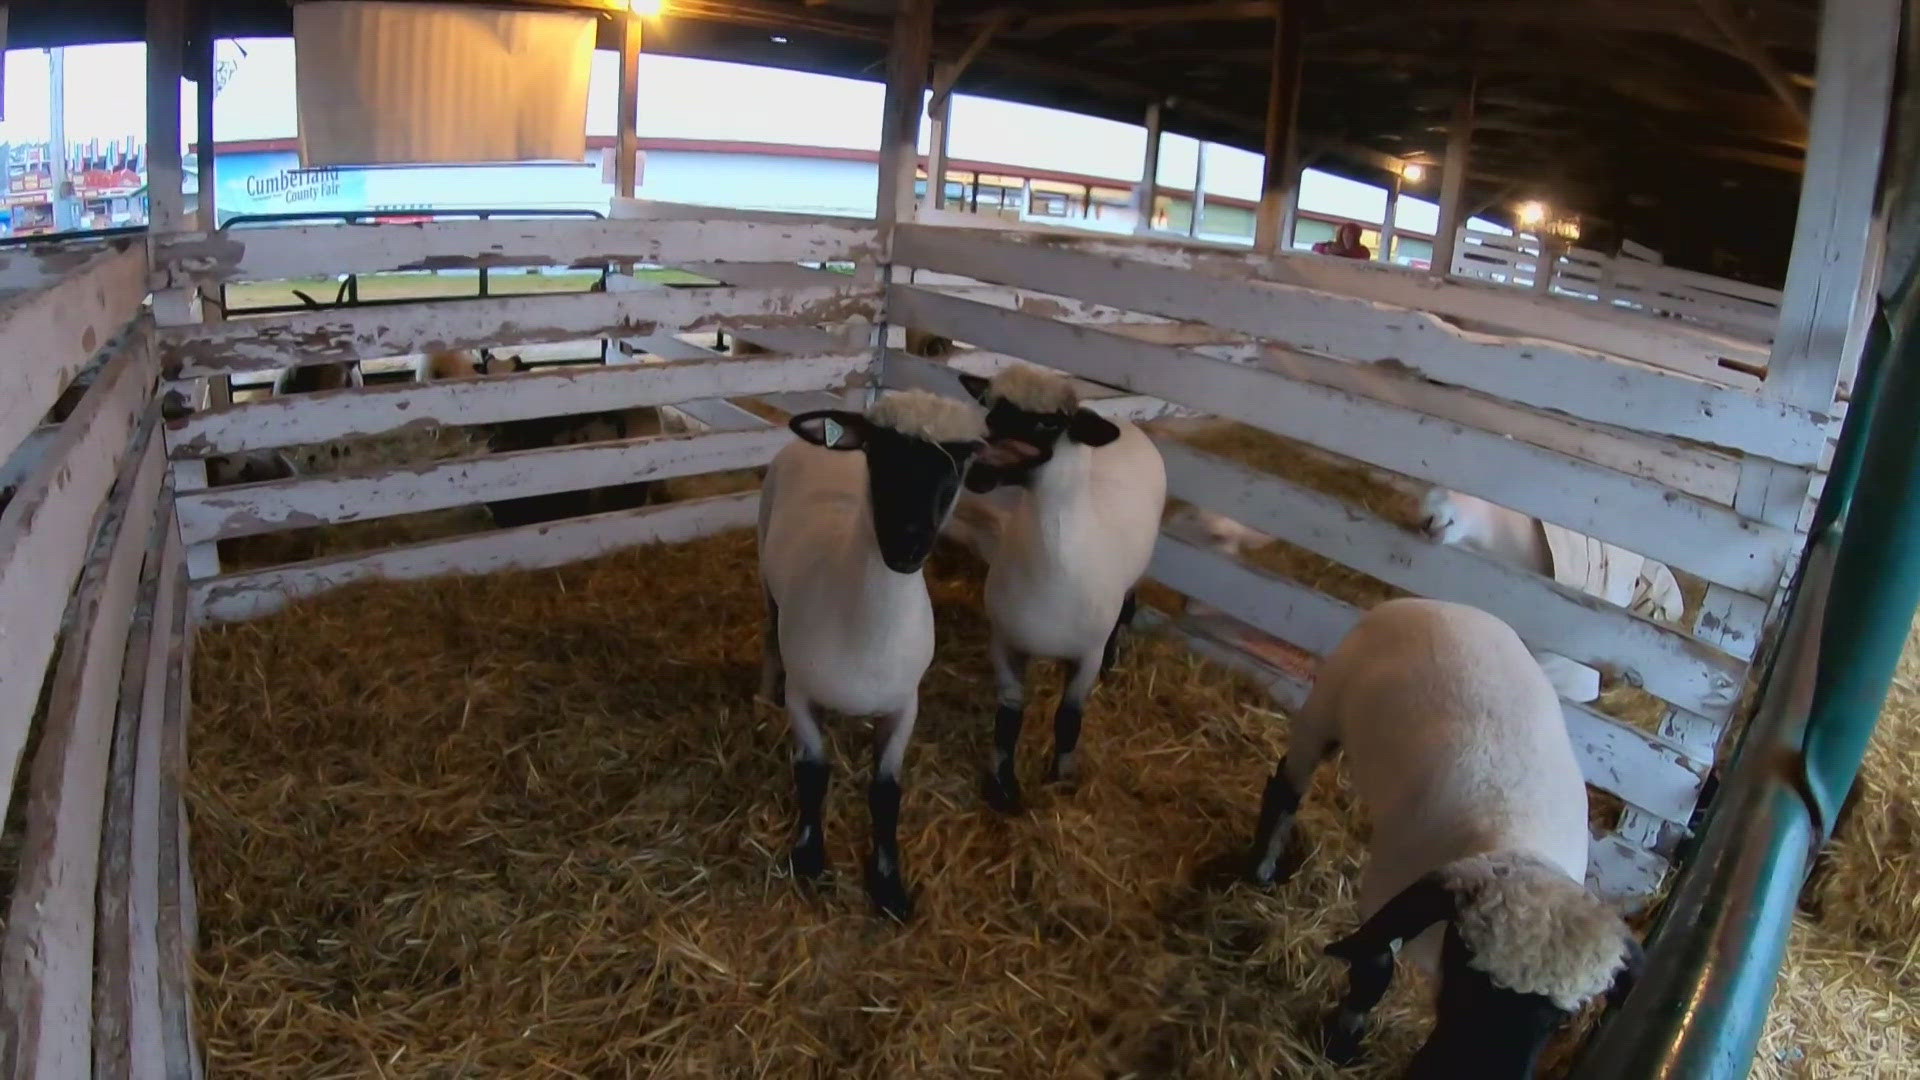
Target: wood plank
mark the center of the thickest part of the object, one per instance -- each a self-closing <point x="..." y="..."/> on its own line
<point x="127" y="1021"/>
<point x="256" y="593"/>
<point x="176" y="937"/>
<point x="46" y="962"/>
<point x="1685" y="533"/>
<point x="296" y="251"/>
<point x="802" y="340"/>
<point x="371" y="333"/>
<point x="1613" y="757"/>
<point x="1549" y="616"/>
<point x="377" y="410"/>
<point x="52" y="333"/>
<point x="227" y="513"/>
<point x="714" y="414"/>
<point x="1701" y="473"/>
<point x="1540" y="374"/>
<point x="45" y="530"/>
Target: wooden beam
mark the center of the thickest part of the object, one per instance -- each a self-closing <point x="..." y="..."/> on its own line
<point x="626" y="164"/>
<point x="372" y="333"/>
<point x="1685" y="533"/>
<point x="1152" y="15"/>
<point x="47" y="961"/>
<point x="907" y="60"/>
<point x="303" y="502"/>
<point x="709" y="235"/>
<point x="945" y="76"/>
<point x="1453" y="184"/>
<point x="166" y="66"/>
<point x="53" y="333"/>
<point x="1146" y="195"/>
<point x="378" y="410"/>
<point x="1280" y="169"/>
<point x="1754" y="52"/>
<point x="205" y="207"/>
<point x="532" y="547"/>
<point x="939" y="115"/>
<point x="1539" y="374"/>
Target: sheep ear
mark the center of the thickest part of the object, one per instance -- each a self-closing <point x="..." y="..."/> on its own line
<point x="1418" y="906"/>
<point x="1636" y="959"/>
<point x="1089" y="428"/>
<point x="835" y="429"/>
<point x="975" y="385"/>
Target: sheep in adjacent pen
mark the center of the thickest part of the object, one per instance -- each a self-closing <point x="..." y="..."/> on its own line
<point x="842" y="539"/>
<point x="1456" y="744"/>
<point x="1061" y="582"/>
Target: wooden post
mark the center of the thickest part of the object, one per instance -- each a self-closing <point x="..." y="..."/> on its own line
<point x="1199" y="188"/>
<point x="900" y="115"/>
<point x="939" y="111"/>
<point x="1147" y="194"/>
<point x="1832" y="236"/>
<point x="1544" y="264"/>
<point x="626" y="165"/>
<point x="166" y="63"/>
<point x="205" y="207"/>
<point x="907" y="60"/>
<point x="1453" y="184"/>
<point x="1386" y="222"/>
<point x="1280" y="173"/>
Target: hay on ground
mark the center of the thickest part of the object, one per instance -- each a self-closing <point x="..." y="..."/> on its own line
<point x="534" y="824"/>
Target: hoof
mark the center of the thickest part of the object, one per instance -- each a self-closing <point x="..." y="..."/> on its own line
<point x="809" y="861"/>
<point x="1065" y="770"/>
<point x="889" y="894"/>
<point x="1001" y="789"/>
<point x="1340" y="1036"/>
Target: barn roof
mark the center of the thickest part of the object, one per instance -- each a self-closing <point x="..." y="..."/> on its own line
<point x="1680" y="123"/>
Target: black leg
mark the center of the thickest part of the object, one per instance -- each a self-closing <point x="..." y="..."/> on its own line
<point x="810" y="842"/>
<point x="1002" y="787"/>
<point x="1125" y="620"/>
<point x="1066" y="740"/>
<point x="1266" y="865"/>
<point x="1345" y="1027"/>
<point x="885" y="884"/>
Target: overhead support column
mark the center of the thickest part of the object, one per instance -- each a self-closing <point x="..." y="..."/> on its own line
<point x="1280" y="171"/>
<point x="1146" y="195"/>
<point x="204" y="67"/>
<point x="908" y="57"/>
<point x="626" y="167"/>
<point x="166" y="64"/>
<point x="939" y="110"/>
<point x="1199" y="188"/>
<point x="1385" y="254"/>
<point x="1453" y="183"/>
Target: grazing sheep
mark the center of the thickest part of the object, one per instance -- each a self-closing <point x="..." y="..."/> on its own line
<point x="1061" y="582"/>
<point x="849" y="624"/>
<point x="1456" y="744"/>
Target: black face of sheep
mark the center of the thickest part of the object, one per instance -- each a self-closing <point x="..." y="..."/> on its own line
<point x="911" y="483"/>
<point x="1026" y="439"/>
<point x="1482" y="1028"/>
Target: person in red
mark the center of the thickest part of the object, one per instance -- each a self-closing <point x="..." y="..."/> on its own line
<point x="1345" y="243"/>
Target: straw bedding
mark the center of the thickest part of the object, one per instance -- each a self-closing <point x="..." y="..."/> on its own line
<point x="533" y="824"/>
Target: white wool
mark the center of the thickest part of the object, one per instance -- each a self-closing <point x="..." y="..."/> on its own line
<point x="1533" y="930"/>
<point x="1032" y="390"/>
<point x="1455" y="742"/>
<point x="1080" y="535"/>
<point x="922" y="415"/>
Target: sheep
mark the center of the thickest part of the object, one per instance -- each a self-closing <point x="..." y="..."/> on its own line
<point x="313" y="378"/>
<point x="1456" y="744"/>
<point x="1061" y="582"/>
<point x="849" y="624"/>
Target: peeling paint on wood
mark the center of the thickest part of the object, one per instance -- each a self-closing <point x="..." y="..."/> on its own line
<point x="371" y="333"/>
<point x="51" y="333"/>
<point x="531" y="547"/>
<point x="253" y="509"/>
<point x="381" y="410"/>
<point x="295" y="251"/>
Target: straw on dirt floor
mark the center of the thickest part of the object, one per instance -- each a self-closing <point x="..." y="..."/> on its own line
<point x="534" y="824"/>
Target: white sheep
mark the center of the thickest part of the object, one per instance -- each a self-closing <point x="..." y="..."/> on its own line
<point x="1061" y="582"/>
<point x="1456" y="745"/>
<point x="849" y="625"/>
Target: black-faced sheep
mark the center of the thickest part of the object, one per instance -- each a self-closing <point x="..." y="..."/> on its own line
<point x="843" y="536"/>
<point x="1456" y="744"/>
<point x="1071" y="550"/>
